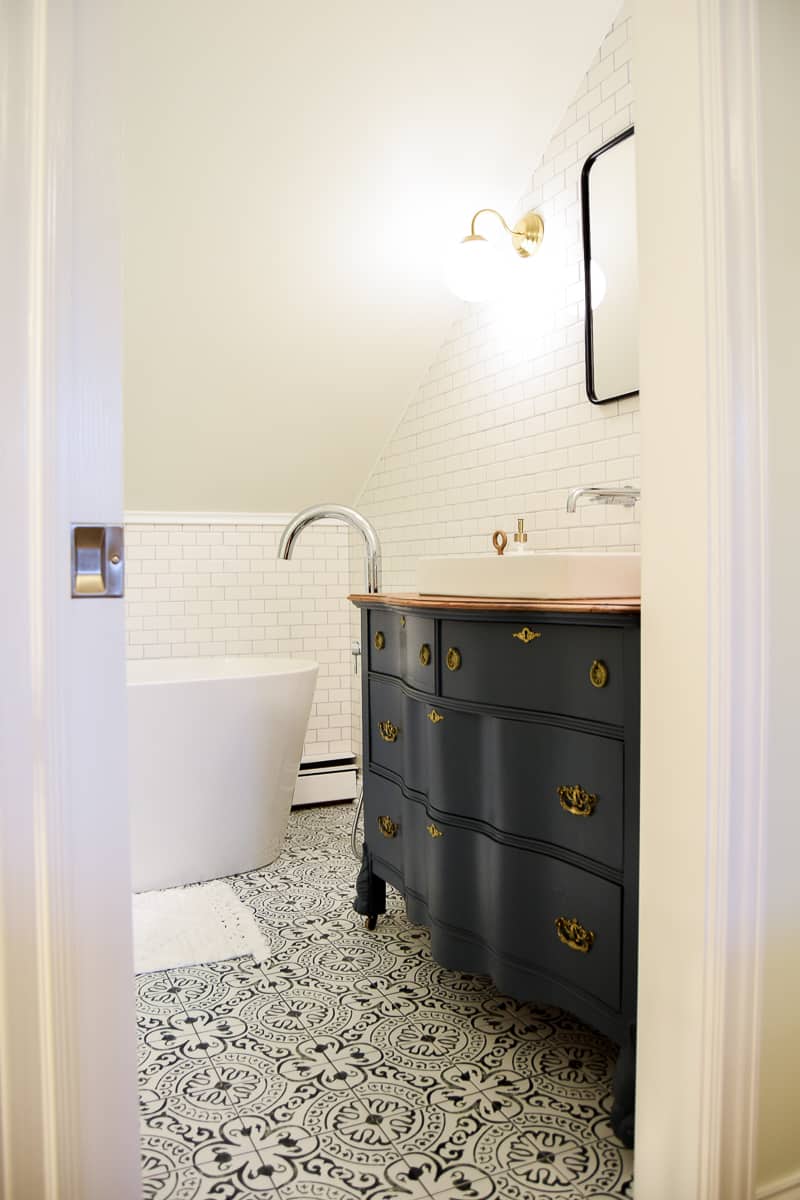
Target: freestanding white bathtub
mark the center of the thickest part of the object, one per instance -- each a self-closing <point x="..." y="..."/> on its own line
<point x="214" y="750"/>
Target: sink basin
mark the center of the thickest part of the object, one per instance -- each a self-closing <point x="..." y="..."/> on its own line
<point x="532" y="576"/>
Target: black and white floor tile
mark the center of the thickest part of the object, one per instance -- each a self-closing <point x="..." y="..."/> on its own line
<point x="351" y="1066"/>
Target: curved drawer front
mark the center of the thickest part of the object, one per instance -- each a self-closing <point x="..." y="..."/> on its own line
<point x="567" y="669"/>
<point x="384" y="822"/>
<point x="397" y="734"/>
<point x="384" y="650"/>
<point x="403" y="645"/>
<point x="516" y="901"/>
<point x="534" y="781"/>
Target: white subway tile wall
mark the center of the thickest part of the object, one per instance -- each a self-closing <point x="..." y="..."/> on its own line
<point x="502" y="427"/>
<point x="194" y="590"/>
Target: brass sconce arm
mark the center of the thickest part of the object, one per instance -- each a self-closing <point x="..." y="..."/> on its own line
<point x="526" y="236"/>
<point x="499" y="216"/>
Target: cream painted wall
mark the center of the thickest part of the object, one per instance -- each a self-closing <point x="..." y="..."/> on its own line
<point x="292" y="174"/>
<point x="779" y="1100"/>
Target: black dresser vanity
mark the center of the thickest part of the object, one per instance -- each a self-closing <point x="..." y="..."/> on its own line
<point x="501" y="790"/>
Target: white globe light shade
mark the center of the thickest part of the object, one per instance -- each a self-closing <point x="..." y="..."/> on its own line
<point x="474" y="270"/>
<point x="598" y="284"/>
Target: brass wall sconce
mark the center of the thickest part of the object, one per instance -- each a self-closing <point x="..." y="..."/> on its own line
<point x="476" y="268"/>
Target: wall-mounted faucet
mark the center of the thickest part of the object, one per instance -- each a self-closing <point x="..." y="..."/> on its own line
<point x="336" y="512"/>
<point x="626" y="496"/>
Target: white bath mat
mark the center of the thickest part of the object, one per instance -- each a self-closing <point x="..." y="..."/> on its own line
<point x="206" y="922"/>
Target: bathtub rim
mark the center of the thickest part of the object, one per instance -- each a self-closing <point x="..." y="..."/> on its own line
<point x="215" y="668"/>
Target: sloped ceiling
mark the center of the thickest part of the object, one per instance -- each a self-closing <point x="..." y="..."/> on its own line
<point x="292" y="175"/>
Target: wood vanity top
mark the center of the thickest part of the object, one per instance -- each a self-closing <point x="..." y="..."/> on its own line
<point x="620" y="604"/>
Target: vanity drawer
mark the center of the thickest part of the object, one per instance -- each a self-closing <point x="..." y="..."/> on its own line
<point x="403" y="645"/>
<point x="567" y="669"/>
<point x="534" y="781"/>
<point x="385" y="651"/>
<point x="419" y="668"/>
<point x="397" y="736"/>
<point x="517" y="901"/>
<point x="384" y="822"/>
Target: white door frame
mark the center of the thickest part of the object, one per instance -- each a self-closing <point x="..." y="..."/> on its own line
<point x="68" y="1124"/>
<point x="737" y="399"/>
<point x="67" y="1102"/>
<point x="704" y="609"/>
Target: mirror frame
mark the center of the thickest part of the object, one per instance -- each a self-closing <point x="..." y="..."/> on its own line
<point x="587" y="258"/>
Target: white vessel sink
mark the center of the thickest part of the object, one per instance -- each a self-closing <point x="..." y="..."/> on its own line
<point x="533" y="576"/>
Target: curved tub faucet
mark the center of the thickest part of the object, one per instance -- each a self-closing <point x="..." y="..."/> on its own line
<point x="626" y="496"/>
<point x="336" y="512"/>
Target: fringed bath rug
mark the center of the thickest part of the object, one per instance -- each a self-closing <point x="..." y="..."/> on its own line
<point x="205" y="922"/>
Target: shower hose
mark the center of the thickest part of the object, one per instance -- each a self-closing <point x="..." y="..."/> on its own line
<point x="354" y="846"/>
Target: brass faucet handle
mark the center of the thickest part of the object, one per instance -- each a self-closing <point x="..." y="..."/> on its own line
<point x="520" y="536"/>
<point x="499" y="540"/>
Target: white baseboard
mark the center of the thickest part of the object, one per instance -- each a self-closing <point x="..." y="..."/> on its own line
<point x="787" y="1188"/>
<point x="326" y="788"/>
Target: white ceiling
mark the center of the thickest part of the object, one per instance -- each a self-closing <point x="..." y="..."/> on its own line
<point x="292" y="175"/>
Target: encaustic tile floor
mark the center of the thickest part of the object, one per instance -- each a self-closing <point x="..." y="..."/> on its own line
<point x="350" y="1065"/>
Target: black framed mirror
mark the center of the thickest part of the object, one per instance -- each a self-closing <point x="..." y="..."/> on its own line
<point x="608" y="209"/>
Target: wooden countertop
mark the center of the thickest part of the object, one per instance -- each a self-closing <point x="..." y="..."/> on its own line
<point x="620" y="604"/>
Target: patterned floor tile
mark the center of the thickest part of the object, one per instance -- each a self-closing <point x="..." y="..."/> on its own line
<point x="181" y="1103"/>
<point x="351" y="1065"/>
<point x="156" y="997"/>
<point x="558" y="1166"/>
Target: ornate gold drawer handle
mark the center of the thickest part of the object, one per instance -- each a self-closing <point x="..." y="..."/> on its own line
<point x="576" y="800"/>
<point x="598" y="673"/>
<point x="453" y="659"/>
<point x="435" y="717"/>
<point x="379" y="640"/>
<point x="388" y="731"/>
<point x="388" y="827"/>
<point x="424" y="655"/>
<point x="526" y="636"/>
<point x="573" y="934"/>
<point x="433" y="831"/>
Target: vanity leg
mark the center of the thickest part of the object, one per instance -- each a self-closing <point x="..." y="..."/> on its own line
<point x="622" y="1112"/>
<point x="370" y="899"/>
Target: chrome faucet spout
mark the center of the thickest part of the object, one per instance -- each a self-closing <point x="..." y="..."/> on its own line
<point x="627" y="496"/>
<point x="349" y="516"/>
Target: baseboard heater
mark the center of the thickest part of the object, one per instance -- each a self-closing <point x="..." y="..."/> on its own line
<point x="326" y="779"/>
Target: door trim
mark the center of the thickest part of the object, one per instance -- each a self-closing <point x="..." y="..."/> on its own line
<point x="737" y="794"/>
<point x="703" y="604"/>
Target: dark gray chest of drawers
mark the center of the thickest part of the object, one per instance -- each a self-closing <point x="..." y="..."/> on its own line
<point x="501" y="793"/>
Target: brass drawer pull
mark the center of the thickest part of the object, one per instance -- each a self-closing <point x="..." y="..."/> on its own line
<point x="379" y="640"/>
<point x="388" y="827"/>
<point x="433" y="831"/>
<point x="598" y="673"/>
<point x="435" y="717"/>
<point x="453" y="659"/>
<point x="576" y="800"/>
<point x="573" y="934"/>
<point x="388" y="731"/>
<point x="526" y="636"/>
<point x="402" y="622"/>
<point x="424" y="655"/>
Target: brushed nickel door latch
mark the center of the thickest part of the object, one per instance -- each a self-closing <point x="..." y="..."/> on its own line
<point x="98" y="561"/>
